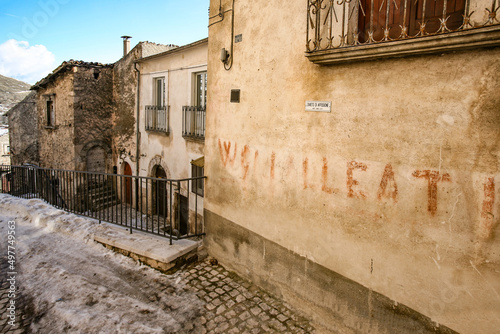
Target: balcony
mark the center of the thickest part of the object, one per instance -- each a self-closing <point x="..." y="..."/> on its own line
<point x="353" y="30"/>
<point x="157" y="118"/>
<point x="193" y="122"/>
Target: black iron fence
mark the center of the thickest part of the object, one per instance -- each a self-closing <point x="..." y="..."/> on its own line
<point x="163" y="207"/>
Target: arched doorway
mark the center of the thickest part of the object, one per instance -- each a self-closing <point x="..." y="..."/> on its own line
<point x="127" y="170"/>
<point x="96" y="160"/>
<point x="160" y="192"/>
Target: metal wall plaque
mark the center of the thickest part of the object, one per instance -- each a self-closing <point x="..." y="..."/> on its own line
<point x="235" y="96"/>
<point x="323" y="106"/>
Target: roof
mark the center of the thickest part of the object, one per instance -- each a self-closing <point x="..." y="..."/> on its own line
<point x="175" y="50"/>
<point x="65" y="67"/>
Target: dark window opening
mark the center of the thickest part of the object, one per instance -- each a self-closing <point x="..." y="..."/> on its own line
<point x="197" y="185"/>
<point x="50" y="113"/>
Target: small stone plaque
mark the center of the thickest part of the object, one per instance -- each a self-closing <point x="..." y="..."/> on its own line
<point x="323" y="106"/>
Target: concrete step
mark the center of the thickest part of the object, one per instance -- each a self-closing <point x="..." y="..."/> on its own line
<point x="152" y="250"/>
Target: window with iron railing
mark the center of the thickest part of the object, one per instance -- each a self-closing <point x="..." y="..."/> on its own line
<point x="157" y="118"/>
<point x="193" y="122"/>
<point x="193" y="117"/>
<point x="347" y="30"/>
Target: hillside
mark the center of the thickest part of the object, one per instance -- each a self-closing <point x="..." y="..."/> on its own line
<point x="12" y="91"/>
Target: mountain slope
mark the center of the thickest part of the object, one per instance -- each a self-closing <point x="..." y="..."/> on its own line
<point x="12" y="91"/>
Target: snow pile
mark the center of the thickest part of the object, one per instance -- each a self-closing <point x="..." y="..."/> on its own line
<point x="76" y="285"/>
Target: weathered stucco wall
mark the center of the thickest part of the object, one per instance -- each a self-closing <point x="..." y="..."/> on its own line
<point x="178" y="69"/>
<point x="394" y="189"/>
<point x="172" y="151"/>
<point x="23" y="131"/>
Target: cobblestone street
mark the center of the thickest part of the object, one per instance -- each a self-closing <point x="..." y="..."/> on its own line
<point x="233" y="305"/>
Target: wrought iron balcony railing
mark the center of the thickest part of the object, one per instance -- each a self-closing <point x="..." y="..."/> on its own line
<point x="193" y="122"/>
<point x="336" y="24"/>
<point x="157" y="118"/>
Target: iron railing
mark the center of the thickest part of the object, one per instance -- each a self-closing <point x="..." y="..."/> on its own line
<point x="193" y="122"/>
<point x="333" y="24"/>
<point x="157" y="118"/>
<point x="163" y="207"/>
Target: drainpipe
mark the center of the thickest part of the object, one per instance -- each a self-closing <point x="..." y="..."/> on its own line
<point x="137" y="133"/>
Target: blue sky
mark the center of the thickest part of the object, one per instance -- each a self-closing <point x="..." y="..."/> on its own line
<point x="37" y="35"/>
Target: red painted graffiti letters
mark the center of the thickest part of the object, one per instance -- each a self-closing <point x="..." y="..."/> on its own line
<point x="433" y="177"/>
<point x="324" y="177"/>
<point x="224" y="153"/>
<point x="305" y="169"/>
<point x="351" y="165"/>
<point x="388" y="181"/>
<point x="244" y="163"/>
<point x="487" y="221"/>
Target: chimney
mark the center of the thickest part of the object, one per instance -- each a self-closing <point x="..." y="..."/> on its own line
<point x="126" y="45"/>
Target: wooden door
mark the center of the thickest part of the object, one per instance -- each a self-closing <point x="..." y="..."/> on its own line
<point x="160" y="193"/>
<point x="128" y="184"/>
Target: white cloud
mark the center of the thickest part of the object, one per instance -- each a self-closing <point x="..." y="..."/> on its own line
<point x="24" y="62"/>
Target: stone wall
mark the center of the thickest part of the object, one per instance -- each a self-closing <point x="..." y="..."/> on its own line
<point x="93" y="108"/>
<point x="23" y="131"/>
<point x="56" y="143"/>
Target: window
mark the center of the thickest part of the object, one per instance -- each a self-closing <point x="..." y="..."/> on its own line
<point x="5" y="149"/>
<point x="50" y="114"/>
<point x="159" y="92"/>
<point x="197" y="185"/>
<point x="346" y="31"/>
<point x="157" y="114"/>
<point x="193" y="117"/>
<point x="201" y="89"/>
<point x="375" y="16"/>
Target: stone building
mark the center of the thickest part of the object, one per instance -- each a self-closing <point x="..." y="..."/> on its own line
<point x="23" y="131"/>
<point x="85" y="114"/>
<point x="74" y="106"/>
<point x="352" y="169"/>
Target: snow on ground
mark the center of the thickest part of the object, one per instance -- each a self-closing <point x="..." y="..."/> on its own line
<point x="76" y="285"/>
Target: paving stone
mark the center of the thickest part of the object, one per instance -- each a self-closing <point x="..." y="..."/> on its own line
<point x="245" y="315"/>
<point x="255" y="310"/>
<point x="221" y="309"/>
<point x="240" y="298"/>
<point x="281" y="317"/>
